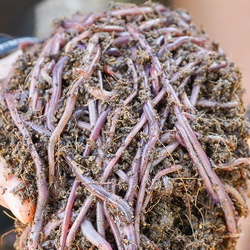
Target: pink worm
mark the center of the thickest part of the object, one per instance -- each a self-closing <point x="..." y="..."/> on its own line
<point x="93" y="236"/>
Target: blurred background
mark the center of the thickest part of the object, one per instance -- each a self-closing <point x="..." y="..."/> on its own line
<point x="226" y="22"/>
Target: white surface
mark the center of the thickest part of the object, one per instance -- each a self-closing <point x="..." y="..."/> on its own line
<point x="49" y="10"/>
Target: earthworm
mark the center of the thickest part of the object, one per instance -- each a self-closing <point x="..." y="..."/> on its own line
<point x="113" y="52"/>
<point x="24" y="237"/>
<point x="152" y="23"/>
<point x="186" y="102"/>
<point x="93" y="43"/>
<point x="121" y="34"/>
<point x="180" y="41"/>
<point x="195" y="93"/>
<point x="44" y="72"/>
<point x="168" y="30"/>
<point x="160" y="40"/>
<point x="184" y="83"/>
<point x="182" y="23"/>
<point x="42" y="190"/>
<point x="123" y="176"/>
<point x="52" y="47"/>
<point x="185" y="17"/>
<point x="184" y="71"/>
<point x="156" y="178"/>
<point x="196" y="160"/>
<point x="236" y="195"/>
<point x="234" y="164"/>
<point x="144" y="169"/>
<point x="56" y="91"/>
<point x="94" y="61"/>
<point x="179" y="60"/>
<point x="164" y="172"/>
<point x="102" y="193"/>
<point x="160" y="8"/>
<point x="214" y="104"/>
<point x="100" y="78"/>
<point x="100" y="218"/>
<point x="108" y="70"/>
<point x="59" y="128"/>
<point x="139" y="203"/>
<point x="133" y="181"/>
<point x="92" y="113"/>
<point x="164" y="152"/>
<point x="164" y="137"/>
<point x="154" y="136"/>
<point x="131" y="11"/>
<point x="209" y="177"/>
<point x="97" y="129"/>
<point x="112" y="28"/>
<point x="221" y="139"/>
<point x="152" y="244"/>
<point x="75" y="40"/>
<point x="98" y="93"/>
<point x="155" y="81"/>
<point x="189" y="116"/>
<point x="34" y="77"/>
<point x="121" y="149"/>
<point x="37" y="128"/>
<point x="77" y="222"/>
<point x="129" y="233"/>
<point x="113" y="227"/>
<point x="216" y="66"/>
<point x="67" y="215"/>
<point x="165" y="114"/>
<point x="55" y="222"/>
<point x="84" y="125"/>
<point x="93" y="236"/>
<point x="121" y="40"/>
<point x="135" y="79"/>
<point x="100" y="153"/>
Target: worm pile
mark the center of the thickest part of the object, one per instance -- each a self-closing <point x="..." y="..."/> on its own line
<point x="128" y="130"/>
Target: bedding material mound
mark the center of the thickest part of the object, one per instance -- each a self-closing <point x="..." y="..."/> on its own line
<point x="126" y="130"/>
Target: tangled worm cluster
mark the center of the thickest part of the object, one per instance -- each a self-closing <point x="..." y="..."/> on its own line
<point x="127" y="128"/>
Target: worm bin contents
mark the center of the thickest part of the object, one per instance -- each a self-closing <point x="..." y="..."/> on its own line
<point x="124" y="130"/>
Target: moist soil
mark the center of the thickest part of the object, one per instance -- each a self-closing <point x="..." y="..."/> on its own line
<point x="142" y="58"/>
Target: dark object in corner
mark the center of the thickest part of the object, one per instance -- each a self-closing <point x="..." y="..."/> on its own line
<point x="17" y="17"/>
